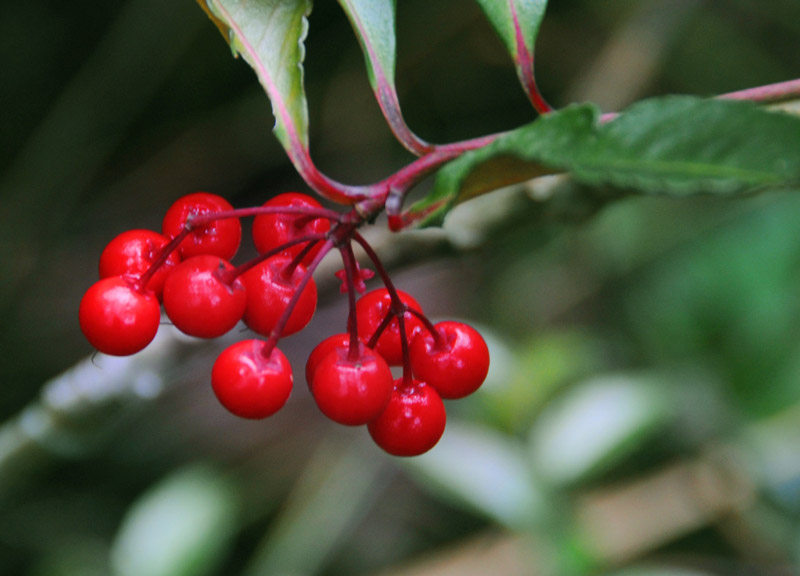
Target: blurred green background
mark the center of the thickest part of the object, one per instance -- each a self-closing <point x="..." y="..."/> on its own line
<point x="642" y="415"/>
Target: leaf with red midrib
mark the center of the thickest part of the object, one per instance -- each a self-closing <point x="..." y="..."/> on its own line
<point x="517" y="23"/>
<point x="269" y="34"/>
<point x="373" y="22"/>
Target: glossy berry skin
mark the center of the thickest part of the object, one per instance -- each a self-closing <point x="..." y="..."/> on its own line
<point x="352" y="392"/>
<point x="269" y="292"/>
<point x="133" y="252"/>
<point x="412" y="423"/>
<point x="457" y="365"/>
<point x="321" y="350"/>
<point x="200" y="300"/>
<point x="248" y="383"/>
<point x="219" y="238"/>
<point x="371" y="308"/>
<point x="272" y="230"/>
<point x="117" y="317"/>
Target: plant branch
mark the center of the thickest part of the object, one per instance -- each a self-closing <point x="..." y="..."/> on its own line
<point x="769" y="93"/>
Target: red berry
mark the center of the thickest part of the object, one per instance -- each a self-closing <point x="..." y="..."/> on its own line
<point x="117" y="317"/>
<point x="272" y="230"/>
<point x="322" y="349"/>
<point x="220" y="237"/>
<point x="352" y="392"/>
<point x="132" y="253"/>
<point x="372" y="308"/>
<point x="248" y="383"/>
<point x="457" y="365"/>
<point x="200" y="300"/>
<point x="269" y="291"/>
<point x="412" y="423"/>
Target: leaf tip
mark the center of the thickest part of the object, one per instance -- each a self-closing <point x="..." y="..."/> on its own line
<point x="221" y="26"/>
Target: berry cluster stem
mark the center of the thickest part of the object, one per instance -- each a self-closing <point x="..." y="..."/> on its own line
<point x="398" y="308"/>
<point x="241" y="269"/>
<point x="429" y="326"/>
<point x="275" y="335"/>
<point x="204" y="218"/>
<point x="162" y="258"/>
<point x="350" y="266"/>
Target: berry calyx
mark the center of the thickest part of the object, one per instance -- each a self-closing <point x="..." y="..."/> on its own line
<point x="270" y="231"/>
<point x="133" y="252"/>
<point x="321" y="350"/>
<point x="371" y="310"/>
<point x="202" y="298"/>
<point x="359" y="275"/>
<point x="270" y="286"/>
<point x="455" y="361"/>
<point x="412" y="423"/>
<point x="219" y="237"/>
<point x="117" y="317"/>
<point x="249" y="383"/>
<point x="353" y="391"/>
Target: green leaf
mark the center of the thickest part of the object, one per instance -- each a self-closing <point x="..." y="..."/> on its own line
<point x="515" y="20"/>
<point x="374" y="24"/>
<point x="485" y="471"/>
<point x="517" y="23"/>
<point x="676" y="146"/>
<point x="183" y="526"/>
<point x="337" y="488"/>
<point x="269" y="34"/>
<point x="597" y="424"/>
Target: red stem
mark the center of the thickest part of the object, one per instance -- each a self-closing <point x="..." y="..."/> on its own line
<point x="768" y="93"/>
<point x="373" y="340"/>
<point x="290" y="268"/>
<point x="390" y="106"/>
<point x="193" y="221"/>
<point x="349" y="263"/>
<point x="438" y="340"/>
<point x="763" y="94"/>
<point x="327" y="187"/>
<point x="162" y="257"/>
<point x="398" y="307"/>
<point x="241" y="269"/>
<point x="407" y="374"/>
<point x="387" y="281"/>
<point x="275" y="335"/>
<point x="400" y="183"/>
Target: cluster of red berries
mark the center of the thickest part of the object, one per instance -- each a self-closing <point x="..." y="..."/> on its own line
<point x="187" y="269"/>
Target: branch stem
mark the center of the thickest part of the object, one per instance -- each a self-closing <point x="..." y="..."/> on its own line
<point x="768" y="93"/>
